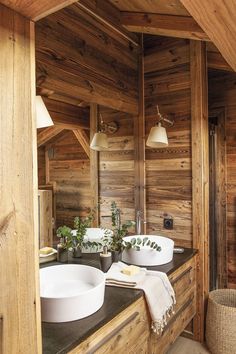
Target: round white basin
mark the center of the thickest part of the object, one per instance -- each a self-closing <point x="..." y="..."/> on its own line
<point x="148" y="256"/>
<point x="70" y="292"/>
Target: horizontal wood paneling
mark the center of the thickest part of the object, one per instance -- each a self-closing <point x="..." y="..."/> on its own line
<point x="81" y="58"/>
<point x="116" y="168"/>
<point x="222" y="91"/>
<point x="168" y="170"/>
<point x="41" y="166"/>
<point x="69" y="167"/>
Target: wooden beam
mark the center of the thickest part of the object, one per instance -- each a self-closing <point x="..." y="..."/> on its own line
<point x="139" y="150"/>
<point x="47" y="134"/>
<point x="36" y="9"/>
<point x="83" y="139"/>
<point x="94" y="165"/>
<point x="67" y="116"/>
<point x="217" y="62"/>
<point x="75" y="63"/>
<point x="164" y="25"/>
<point x="107" y="13"/>
<point x="200" y="172"/>
<point x="218" y="20"/>
<point x="19" y="262"/>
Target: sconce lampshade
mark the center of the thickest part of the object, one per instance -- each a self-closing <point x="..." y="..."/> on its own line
<point x="43" y="118"/>
<point x="99" y="142"/>
<point x="157" y="137"/>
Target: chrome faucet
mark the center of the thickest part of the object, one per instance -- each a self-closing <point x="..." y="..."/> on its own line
<point x="138" y="221"/>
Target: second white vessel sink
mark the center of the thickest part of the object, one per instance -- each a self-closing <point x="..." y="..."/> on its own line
<point x="70" y="292"/>
<point x="147" y="256"/>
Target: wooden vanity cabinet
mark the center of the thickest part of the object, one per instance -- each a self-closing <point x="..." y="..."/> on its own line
<point x="130" y="333"/>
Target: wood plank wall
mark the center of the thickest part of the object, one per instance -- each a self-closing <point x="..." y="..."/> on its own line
<point x="81" y="58"/>
<point x="41" y="166"/>
<point x="19" y="269"/>
<point x="222" y="93"/>
<point x="168" y="170"/>
<point x="116" y="167"/>
<point x="69" y="167"/>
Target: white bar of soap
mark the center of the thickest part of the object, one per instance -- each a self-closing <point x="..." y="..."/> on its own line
<point x="130" y="270"/>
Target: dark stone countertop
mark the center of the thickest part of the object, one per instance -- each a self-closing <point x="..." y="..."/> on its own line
<point x="60" y="338"/>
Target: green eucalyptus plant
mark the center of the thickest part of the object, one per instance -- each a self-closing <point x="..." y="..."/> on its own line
<point x="81" y="225"/>
<point x="136" y="243"/>
<point x="116" y="241"/>
<point x="66" y="237"/>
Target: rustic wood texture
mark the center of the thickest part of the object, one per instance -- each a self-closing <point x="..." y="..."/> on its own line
<point x="66" y="115"/>
<point x="36" y="9"/>
<point x="130" y="331"/>
<point x="19" y="297"/>
<point x="168" y="7"/>
<point x="139" y="152"/>
<point x="69" y="167"/>
<point x="41" y="166"/>
<point x="48" y="134"/>
<point x="200" y="184"/>
<point x="45" y="218"/>
<point x="94" y="165"/>
<point x="81" y="58"/>
<point x="106" y="12"/>
<point x="163" y="25"/>
<point x="222" y="94"/>
<point x="215" y="59"/>
<point x="216" y="17"/>
<point x="168" y="170"/>
<point x="122" y="334"/>
<point x="183" y="281"/>
<point x="83" y="139"/>
<point x="116" y="168"/>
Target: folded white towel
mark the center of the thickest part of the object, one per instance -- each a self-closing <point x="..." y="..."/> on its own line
<point x="158" y="291"/>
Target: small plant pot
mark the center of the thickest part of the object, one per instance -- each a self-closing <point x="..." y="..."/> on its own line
<point x="116" y="256"/>
<point x="62" y="255"/>
<point x="76" y="252"/>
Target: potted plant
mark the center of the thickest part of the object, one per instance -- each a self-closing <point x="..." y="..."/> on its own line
<point x="81" y="225"/>
<point x="116" y="241"/>
<point x="65" y="243"/>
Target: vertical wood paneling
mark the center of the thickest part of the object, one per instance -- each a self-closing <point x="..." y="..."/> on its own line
<point x="19" y="298"/>
<point x="69" y="167"/>
<point x="200" y="170"/>
<point x="94" y="165"/>
<point x="139" y="151"/>
<point x="222" y="94"/>
<point x="168" y="170"/>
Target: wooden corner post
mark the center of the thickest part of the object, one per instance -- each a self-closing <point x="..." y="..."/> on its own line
<point x="94" y="164"/>
<point x="200" y="171"/>
<point x="20" y="320"/>
<point x="139" y="143"/>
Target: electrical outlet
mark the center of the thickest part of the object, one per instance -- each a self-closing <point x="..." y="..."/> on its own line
<point x="168" y="223"/>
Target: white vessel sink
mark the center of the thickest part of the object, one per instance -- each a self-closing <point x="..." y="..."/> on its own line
<point x="93" y="234"/>
<point x="70" y="292"/>
<point x="147" y="256"/>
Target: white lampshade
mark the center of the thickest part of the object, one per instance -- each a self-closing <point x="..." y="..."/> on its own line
<point x="43" y="118"/>
<point x="99" y="142"/>
<point x="157" y="137"/>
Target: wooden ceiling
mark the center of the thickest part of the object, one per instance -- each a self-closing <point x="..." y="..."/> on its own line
<point x="208" y="20"/>
<point x="213" y="20"/>
<point x="167" y="7"/>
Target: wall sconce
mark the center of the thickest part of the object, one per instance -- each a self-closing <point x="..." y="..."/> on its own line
<point x="99" y="141"/>
<point x="157" y="137"/>
<point x="43" y="118"/>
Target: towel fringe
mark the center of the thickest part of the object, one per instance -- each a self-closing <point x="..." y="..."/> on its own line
<point x="158" y="326"/>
